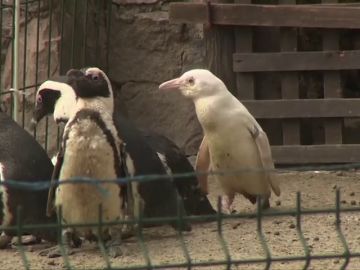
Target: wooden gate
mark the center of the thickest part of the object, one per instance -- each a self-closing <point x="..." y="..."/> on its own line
<point x="231" y="55"/>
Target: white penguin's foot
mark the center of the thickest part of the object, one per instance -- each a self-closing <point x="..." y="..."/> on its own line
<point x="226" y="204"/>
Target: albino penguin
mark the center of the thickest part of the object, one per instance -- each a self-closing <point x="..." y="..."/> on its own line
<point x="91" y="149"/>
<point x="233" y="140"/>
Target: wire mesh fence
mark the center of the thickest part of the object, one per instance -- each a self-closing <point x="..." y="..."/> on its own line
<point x="77" y="34"/>
<point x="228" y="256"/>
<point x="53" y="36"/>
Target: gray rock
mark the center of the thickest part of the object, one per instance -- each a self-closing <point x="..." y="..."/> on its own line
<point x="150" y="50"/>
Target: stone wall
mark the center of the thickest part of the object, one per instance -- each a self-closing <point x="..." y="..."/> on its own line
<point x="144" y="50"/>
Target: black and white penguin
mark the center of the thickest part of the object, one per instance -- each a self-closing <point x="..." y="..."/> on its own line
<point x="159" y="149"/>
<point x="175" y="162"/>
<point x="90" y="148"/>
<point x="22" y="159"/>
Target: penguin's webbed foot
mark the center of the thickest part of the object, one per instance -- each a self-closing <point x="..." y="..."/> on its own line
<point x="55" y="252"/>
<point x="227" y="204"/>
<point x="265" y="204"/>
<point x="69" y="237"/>
<point x="5" y="240"/>
<point x="76" y="241"/>
<point x="128" y="231"/>
<point x="184" y="226"/>
<point x="113" y="246"/>
<point x="27" y="240"/>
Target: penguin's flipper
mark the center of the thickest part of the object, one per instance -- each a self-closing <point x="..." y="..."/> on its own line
<point x="263" y="146"/>
<point x="125" y="189"/>
<point x="54" y="179"/>
<point x="202" y="165"/>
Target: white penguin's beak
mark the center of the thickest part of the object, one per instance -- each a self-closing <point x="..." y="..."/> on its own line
<point x="173" y="84"/>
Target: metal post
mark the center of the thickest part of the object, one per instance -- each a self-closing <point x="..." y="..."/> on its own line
<point x="15" y="85"/>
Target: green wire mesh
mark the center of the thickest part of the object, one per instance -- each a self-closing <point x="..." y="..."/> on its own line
<point x="188" y="263"/>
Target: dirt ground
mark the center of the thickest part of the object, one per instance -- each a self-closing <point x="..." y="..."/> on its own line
<point x="318" y="191"/>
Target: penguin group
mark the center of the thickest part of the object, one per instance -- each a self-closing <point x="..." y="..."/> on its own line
<point x="99" y="146"/>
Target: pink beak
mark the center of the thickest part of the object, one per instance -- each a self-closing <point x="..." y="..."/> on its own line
<point x="173" y="84"/>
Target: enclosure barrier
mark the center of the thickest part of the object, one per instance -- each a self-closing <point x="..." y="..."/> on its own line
<point x="299" y="212"/>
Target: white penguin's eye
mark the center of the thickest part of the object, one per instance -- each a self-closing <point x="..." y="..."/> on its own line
<point x="191" y="81"/>
<point x="39" y="99"/>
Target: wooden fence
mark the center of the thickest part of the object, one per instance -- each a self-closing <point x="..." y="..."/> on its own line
<point x="230" y="33"/>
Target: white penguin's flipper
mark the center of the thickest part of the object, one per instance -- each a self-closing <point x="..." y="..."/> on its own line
<point x="202" y="165"/>
<point x="263" y="146"/>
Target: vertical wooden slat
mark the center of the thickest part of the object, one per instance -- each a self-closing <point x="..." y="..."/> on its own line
<point x="219" y="46"/>
<point x="332" y="86"/>
<point x="289" y="83"/>
<point x="244" y="43"/>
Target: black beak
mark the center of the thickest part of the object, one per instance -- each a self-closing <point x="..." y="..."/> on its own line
<point x="38" y="114"/>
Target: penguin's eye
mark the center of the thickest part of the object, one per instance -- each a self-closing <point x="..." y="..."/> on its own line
<point x="93" y="77"/>
<point x="191" y="81"/>
<point x="39" y="99"/>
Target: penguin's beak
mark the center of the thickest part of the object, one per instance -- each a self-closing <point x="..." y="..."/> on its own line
<point x="38" y="114"/>
<point x="173" y="84"/>
<point x="45" y="102"/>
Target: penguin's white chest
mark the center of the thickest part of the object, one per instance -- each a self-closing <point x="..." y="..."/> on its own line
<point x="88" y="154"/>
<point x="233" y="149"/>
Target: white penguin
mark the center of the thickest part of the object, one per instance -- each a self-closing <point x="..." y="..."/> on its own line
<point x="91" y="149"/>
<point x="233" y="140"/>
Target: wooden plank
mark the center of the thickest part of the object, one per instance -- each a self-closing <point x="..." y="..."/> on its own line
<point x="297" y="61"/>
<point x="219" y="47"/>
<point x="307" y="154"/>
<point x="312" y="16"/>
<point x="303" y="108"/>
<point x="245" y="88"/>
<point x="332" y="86"/>
<point x="289" y="83"/>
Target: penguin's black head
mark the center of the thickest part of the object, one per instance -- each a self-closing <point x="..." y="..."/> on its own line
<point x="46" y="97"/>
<point x="87" y="83"/>
<point x="45" y="103"/>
